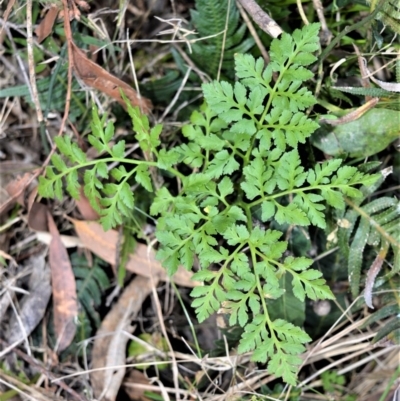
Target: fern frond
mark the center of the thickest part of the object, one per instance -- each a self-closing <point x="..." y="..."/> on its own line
<point x="379" y="222"/>
<point x="91" y="282"/>
<point x="209" y="18"/>
<point x="389" y="14"/>
<point x="242" y="143"/>
<point x="114" y="201"/>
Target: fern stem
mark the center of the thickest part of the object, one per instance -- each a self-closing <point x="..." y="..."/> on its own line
<point x="295" y="191"/>
<point x="118" y="160"/>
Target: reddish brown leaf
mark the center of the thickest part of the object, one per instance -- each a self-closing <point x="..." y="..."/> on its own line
<point x="16" y="191"/>
<point x="135" y="385"/>
<point x="64" y="289"/>
<point x="86" y="210"/>
<point x="143" y="261"/>
<point x="46" y="26"/>
<point x="98" y="78"/>
<point x="7" y="14"/>
<point x="37" y="221"/>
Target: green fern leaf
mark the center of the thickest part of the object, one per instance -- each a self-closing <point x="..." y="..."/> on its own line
<point x="143" y="177"/>
<point x="309" y="204"/>
<point x="70" y="149"/>
<point x="258" y="179"/>
<point x="292" y="214"/>
<point x="207" y="300"/>
<point x="289" y="172"/>
<point x="119" y="203"/>
<point x="91" y="282"/>
<point x="222" y="163"/>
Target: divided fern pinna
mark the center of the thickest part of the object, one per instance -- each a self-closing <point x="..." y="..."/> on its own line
<point x="241" y="148"/>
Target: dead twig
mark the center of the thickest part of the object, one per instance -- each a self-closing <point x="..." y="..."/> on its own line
<point x="261" y="18"/>
<point x="254" y="34"/>
<point x="68" y="38"/>
<point x="326" y="34"/>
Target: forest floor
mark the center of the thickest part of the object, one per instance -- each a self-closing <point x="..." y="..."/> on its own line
<point x="87" y="309"/>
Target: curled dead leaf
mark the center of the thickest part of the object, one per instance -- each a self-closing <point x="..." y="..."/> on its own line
<point x="16" y="190"/>
<point x="44" y="29"/>
<point x="109" y="349"/>
<point x="98" y="78"/>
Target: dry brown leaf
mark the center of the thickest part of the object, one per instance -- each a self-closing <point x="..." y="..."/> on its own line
<point x="37" y="221"/>
<point x="98" y="78"/>
<point x="64" y="289"/>
<point x="44" y="29"/>
<point x="16" y="191"/>
<point x="135" y="385"/>
<point x="33" y="305"/>
<point x="109" y="347"/>
<point x="7" y="14"/>
<point x="37" y="217"/>
<point x="143" y="261"/>
<point x="85" y="208"/>
<point x="16" y="187"/>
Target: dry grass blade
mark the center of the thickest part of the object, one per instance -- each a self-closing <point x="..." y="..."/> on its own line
<point x="31" y="62"/>
<point x="27" y="391"/>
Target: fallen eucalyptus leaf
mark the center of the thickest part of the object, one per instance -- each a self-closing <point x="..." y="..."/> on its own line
<point x="33" y="305"/>
<point x="368" y="135"/>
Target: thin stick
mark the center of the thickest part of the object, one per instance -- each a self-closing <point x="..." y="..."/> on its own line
<point x="177" y="94"/>
<point x="254" y="34"/>
<point x="221" y="58"/>
<point x="326" y="34"/>
<point x="68" y="38"/>
<point x="261" y="18"/>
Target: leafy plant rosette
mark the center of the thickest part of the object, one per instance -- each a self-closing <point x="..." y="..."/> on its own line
<point x="241" y="148"/>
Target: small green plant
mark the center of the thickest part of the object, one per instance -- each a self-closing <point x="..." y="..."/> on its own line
<point x="239" y="164"/>
<point x="334" y="384"/>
